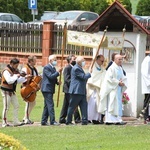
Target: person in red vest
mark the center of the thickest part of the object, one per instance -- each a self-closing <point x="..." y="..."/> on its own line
<point x="10" y="78"/>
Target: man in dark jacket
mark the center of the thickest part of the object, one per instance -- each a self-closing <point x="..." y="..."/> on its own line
<point x="67" y="77"/>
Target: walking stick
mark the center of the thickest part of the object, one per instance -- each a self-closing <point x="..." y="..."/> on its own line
<point x="99" y="48"/>
<point x="62" y="56"/>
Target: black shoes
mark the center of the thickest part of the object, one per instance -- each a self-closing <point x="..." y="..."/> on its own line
<point x="97" y="122"/>
<point x="70" y="123"/>
<point x="55" y="123"/>
<point x="117" y="123"/>
<point x="120" y="123"/>
<point x="108" y="123"/>
<point x="62" y="121"/>
<point x="44" y="124"/>
<point x="77" y="121"/>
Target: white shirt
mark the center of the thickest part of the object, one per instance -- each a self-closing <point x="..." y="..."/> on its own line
<point x="10" y="79"/>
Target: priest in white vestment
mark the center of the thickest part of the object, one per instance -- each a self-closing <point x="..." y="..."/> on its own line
<point x="145" y="78"/>
<point x="115" y="83"/>
<point x="93" y="90"/>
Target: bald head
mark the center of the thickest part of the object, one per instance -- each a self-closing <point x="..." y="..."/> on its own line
<point x="118" y="59"/>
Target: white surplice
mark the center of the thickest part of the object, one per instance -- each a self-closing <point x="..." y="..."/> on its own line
<point x="111" y="94"/>
<point x="145" y="74"/>
<point x="93" y="91"/>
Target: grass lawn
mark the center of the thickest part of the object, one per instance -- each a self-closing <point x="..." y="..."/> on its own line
<point x="90" y="137"/>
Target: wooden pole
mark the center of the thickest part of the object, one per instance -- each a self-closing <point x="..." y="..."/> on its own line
<point x="81" y="50"/>
<point x="62" y="56"/>
<point x="124" y="30"/>
<point x="123" y="34"/>
<point x="99" y="48"/>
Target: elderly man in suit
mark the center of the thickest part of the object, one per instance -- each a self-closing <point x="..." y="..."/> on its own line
<point x="77" y="91"/>
<point x="67" y="78"/>
<point x="48" y="89"/>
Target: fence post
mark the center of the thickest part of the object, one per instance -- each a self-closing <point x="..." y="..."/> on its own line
<point x="47" y="42"/>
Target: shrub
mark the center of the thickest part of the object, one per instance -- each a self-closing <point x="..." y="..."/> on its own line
<point x="10" y="143"/>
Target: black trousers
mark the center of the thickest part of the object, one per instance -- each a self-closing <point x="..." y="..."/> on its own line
<point x="64" y="110"/>
<point x="146" y="105"/>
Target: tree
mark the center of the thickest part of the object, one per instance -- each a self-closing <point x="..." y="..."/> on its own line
<point x="143" y="8"/>
<point x="99" y="6"/>
<point x="126" y="3"/>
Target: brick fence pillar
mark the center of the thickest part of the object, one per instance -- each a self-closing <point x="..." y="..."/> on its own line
<point x="47" y="43"/>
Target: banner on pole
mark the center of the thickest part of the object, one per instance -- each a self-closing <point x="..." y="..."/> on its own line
<point x="83" y="38"/>
<point x="115" y="43"/>
<point x="93" y="40"/>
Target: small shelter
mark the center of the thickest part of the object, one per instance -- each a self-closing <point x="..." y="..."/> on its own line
<point x="116" y="17"/>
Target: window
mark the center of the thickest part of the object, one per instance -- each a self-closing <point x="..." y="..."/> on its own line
<point x="84" y="15"/>
<point x="92" y="16"/>
<point x="6" y="18"/>
<point x="16" y="19"/>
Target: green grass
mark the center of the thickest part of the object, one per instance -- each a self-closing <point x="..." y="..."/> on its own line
<point x="90" y="137"/>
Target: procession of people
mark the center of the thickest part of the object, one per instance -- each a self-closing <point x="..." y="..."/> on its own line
<point x="98" y="92"/>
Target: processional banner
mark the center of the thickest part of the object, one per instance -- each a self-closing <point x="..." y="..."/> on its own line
<point x="115" y="43"/>
<point x="83" y="38"/>
<point x="94" y="40"/>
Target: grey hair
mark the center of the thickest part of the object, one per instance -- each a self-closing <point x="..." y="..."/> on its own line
<point x="79" y="59"/>
<point x="51" y="57"/>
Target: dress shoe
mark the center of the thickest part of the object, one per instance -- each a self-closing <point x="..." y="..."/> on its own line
<point x="95" y="122"/>
<point x="109" y="123"/>
<point x="44" y="124"/>
<point x="89" y="121"/>
<point x="101" y="122"/>
<point x="77" y="121"/>
<point x="70" y="124"/>
<point x="62" y="121"/>
<point x="55" y="124"/>
<point x="120" y="123"/>
<point x="84" y="123"/>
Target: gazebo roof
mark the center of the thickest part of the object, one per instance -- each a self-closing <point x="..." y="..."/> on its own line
<point x="116" y="17"/>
